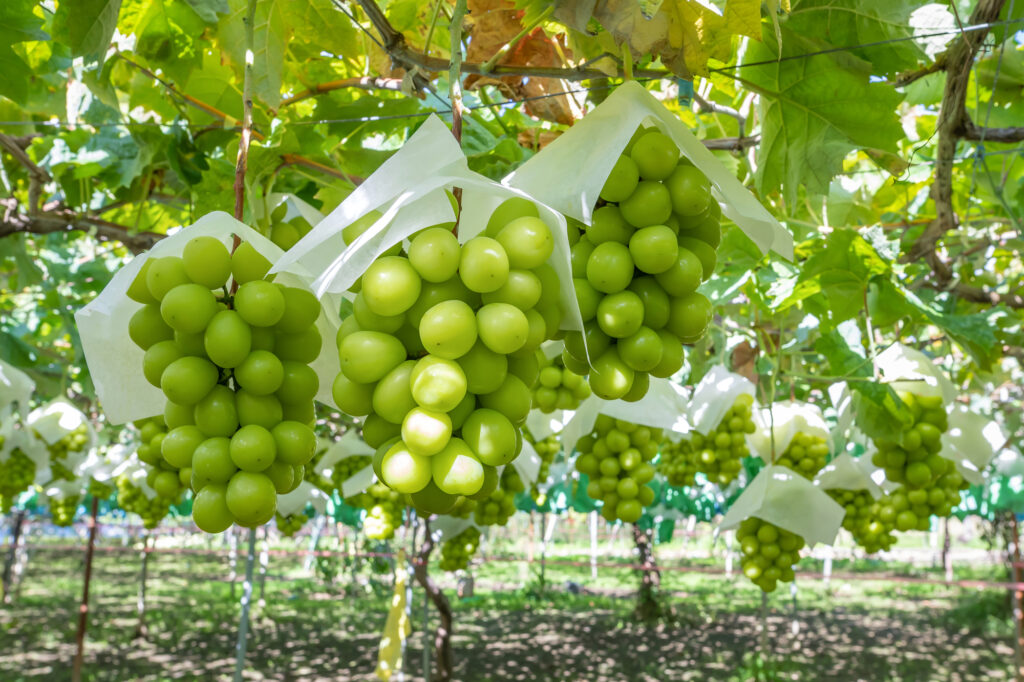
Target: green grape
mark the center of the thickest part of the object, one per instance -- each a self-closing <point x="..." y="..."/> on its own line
<point x="391" y="286"/>
<point x="559" y="387"/>
<point x="483" y="265"/>
<point x="207" y="262"/>
<point x="655" y="155"/>
<point x="527" y="242"/>
<point x="227" y="339"/>
<point x="251" y="498"/>
<point x="806" y="455"/>
<point x="457" y="552"/>
<point x="164" y="274"/>
<point x="216" y="414"/>
<point x="690" y="191"/>
<point x="188" y="380"/>
<point x="498" y="507"/>
<point x="769" y="553"/>
<point x="188" y="308"/>
<point x="718" y="454"/>
<point x="434" y="253"/>
<point x="622" y="180"/>
<point x="16" y="475"/>
<point x="367" y="356"/>
<point x="157" y="358"/>
<point x="291" y="524"/>
<point x="248" y="264"/>
<point x="348" y="467"/>
<point x="654" y="249"/>
<point x="211" y="510"/>
<point x="138" y="290"/>
<point x="301" y="310"/>
<point x="616" y="457"/>
<point x="261" y="373"/>
<point x="63" y="511"/>
<point x="260" y="303"/>
<point x="502" y="327"/>
<point x="147" y="327"/>
<point x="863" y="519"/>
<point x="449" y="329"/>
<point x="383" y="511"/>
<point x="522" y="289"/>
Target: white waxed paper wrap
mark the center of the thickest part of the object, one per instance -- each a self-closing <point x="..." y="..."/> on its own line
<point x="31" y="446"/>
<point x="790" y="418"/>
<point x="847" y="473"/>
<point x="543" y="425"/>
<point x="569" y="173"/>
<point x="714" y="396"/>
<point x="908" y="369"/>
<point x="971" y="441"/>
<point x="296" y="207"/>
<point x="102" y="463"/>
<point x="447" y="527"/>
<point x="422" y="203"/>
<point x="52" y="422"/>
<point x="296" y="500"/>
<point x="844" y="430"/>
<point x="783" y="497"/>
<point x="349" y="445"/>
<point x="115" y="362"/>
<point x="62" y="490"/>
<point x="527" y="464"/>
<point x="663" y="408"/>
<point x="15" y="387"/>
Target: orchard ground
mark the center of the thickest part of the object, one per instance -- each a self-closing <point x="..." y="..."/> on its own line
<point x="326" y="623"/>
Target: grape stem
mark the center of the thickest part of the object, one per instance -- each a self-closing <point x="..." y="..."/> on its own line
<point x="455" y="91"/>
<point x="243" y="146"/>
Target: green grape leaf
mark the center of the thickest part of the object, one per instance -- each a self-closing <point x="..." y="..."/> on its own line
<point x="14" y="75"/>
<point x="857" y="22"/>
<point x="271" y="30"/>
<point x="209" y="10"/>
<point x="19" y="23"/>
<point x="814" y="111"/>
<point x="86" y="26"/>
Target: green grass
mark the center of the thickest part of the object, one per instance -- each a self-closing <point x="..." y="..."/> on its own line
<point x="510" y="629"/>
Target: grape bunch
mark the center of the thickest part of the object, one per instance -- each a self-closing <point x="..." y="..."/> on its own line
<point x="383" y="510"/>
<point x="314" y="477"/>
<point x="637" y="267"/>
<point x="911" y="508"/>
<point x="99" y="489"/>
<point x="617" y="458"/>
<point x="63" y="510"/>
<point x="439" y="353"/>
<point x="558" y="388"/>
<point x="463" y="509"/>
<point x="498" y="507"/>
<point x="769" y="552"/>
<point x="151" y="509"/>
<point x="285" y="233"/>
<point x="457" y="552"/>
<point x="16" y="475"/>
<point x="346" y="468"/>
<point x="678" y="463"/>
<point x="291" y="524"/>
<point x="166" y="479"/>
<point x="71" y="442"/>
<point x="233" y="364"/>
<point x="863" y="519"/>
<point x="547" y="449"/>
<point x="806" y="455"/>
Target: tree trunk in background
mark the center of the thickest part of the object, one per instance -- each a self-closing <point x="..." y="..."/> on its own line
<point x="12" y="552"/>
<point x="443" y="634"/>
<point x="648" y="605"/>
<point x="140" y="605"/>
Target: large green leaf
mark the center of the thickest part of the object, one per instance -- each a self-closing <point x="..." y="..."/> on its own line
<point x="86" y="26"/>
<point x="814" y="111"/>
<point x="14" y="75"/>
<point x="209" y="10"/>
<point x="858" y="22"/>
<point x="19" y="23"/>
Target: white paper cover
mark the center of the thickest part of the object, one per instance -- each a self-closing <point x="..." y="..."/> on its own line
<point x="847" y="473"/>
<point x="543" y="425"/>
<point x="714" y="396"/>
<point x="296" y="500"/>
<point x="663" y="407"/>
<point x="908" y="369"/>
<point x="569" y="173"/>
<point x="527" y="464"/>
<point x="971" y="441"/>
<point x="349" y="445"/>
<point x="783" y="497"/>
<point x="15" y="387"/>
<point x="446" y="527"/>
<point x="115" y="362"/>
<point x="102" y="463"/>
<point x="790" y="418"/>
<point x="57" y="419"/>
<point x="295" y="207"/>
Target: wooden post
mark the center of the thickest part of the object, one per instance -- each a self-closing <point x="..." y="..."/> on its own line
<point x="243" y="624"/>
<point x="593" y="545"/>
<point x="445" y="629"/>
<point x="1018" y="605"/>
<point x="728" y="553"/>
<point x="232" y="558"/>
<point x="12" y="551"/>
<point x="947" y="556"/>
<point x="140" y="604"/>
<point x="264" y="565"/>
<point x="83" y="610"/>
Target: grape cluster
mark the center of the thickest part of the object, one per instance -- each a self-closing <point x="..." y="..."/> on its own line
<point x="769" y="552"/>
<point x="63" y="510"/>
<point x="167" y="479"/>
<point x="439" y="353"/>
<point x="16" y="475"/>
<point x="234" y="368"/>
<point x="151" y="509"/>
<point x="637" y="267"/>
<point x="99" y="489"/>
<point x="457" y="552"/>
<point x="464" y="508"/>
<point x="316" y="479"/>
<point x="547" y="449"/>
<point x="558" y="388"/>
<point x="498" y="507"/>
<point x="617" y="457"/>
<point x="72" y="441"/>
<point x="863" y="519"/>
<point x="285" y="233"/>
<point x="345" y="469"/>
<point x="383" y="510"/>
<point x="291" y="524"/>
<point x="678" y="463"/>
<point x="806" y="455"/>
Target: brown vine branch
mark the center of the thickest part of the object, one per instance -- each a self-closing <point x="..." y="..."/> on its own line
<point x="405" y="57"/>
<point x="908" y="77"/>
<point x="975" y="133"/>
<point x="950" y="129"/>
<point x="61" y="219"/>
<point x="443" y="634"/>
<point x="363" y="83"/>
<point x="37" y="177"/>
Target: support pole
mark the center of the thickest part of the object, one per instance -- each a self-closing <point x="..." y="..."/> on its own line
<point x="264" y="564"/>
<point x="243" y="624"/>
<point x="232" y="558"/>
<point x="314" y="542"/>
<point x="140" y="604"/>
<point x="12" y="551"/>
<point x="1018" y="606"/>
<point x="593" y="545"/>
<point x="83" y="610"/>
<point x="947" y="556"/>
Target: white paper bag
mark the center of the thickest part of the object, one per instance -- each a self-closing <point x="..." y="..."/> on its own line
<point x="446" y="527"/>
<point x="847" y="473"/>
<point x="295" y="208"/>
<point x="115" y="362"/>
<point x="57" y="419"/>
<point x="15" y="387"/>
<point x="569" y="173"/>
<point x="349" y="445"/>
<point x="663" y="408"/>
<point x="783" y="497"/>
<point x="971" y="441"/>
<point x="908" y="369"/>
<point x="785" y="420"/>
<point x="714" y="396"/>
<point x="295" y="501"/>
